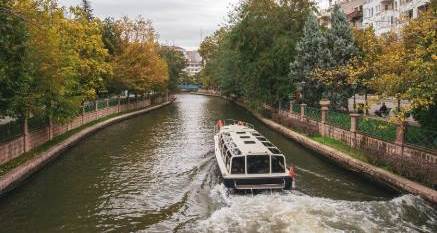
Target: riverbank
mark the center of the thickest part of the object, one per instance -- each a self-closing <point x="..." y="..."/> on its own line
<point x="347" y="161"/>
<point x="25" y="168"/>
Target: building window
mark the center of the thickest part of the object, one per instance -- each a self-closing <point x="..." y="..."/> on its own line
<point x="410" y="14"/>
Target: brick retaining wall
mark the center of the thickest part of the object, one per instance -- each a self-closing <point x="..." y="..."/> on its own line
<point x="12" y="149"/>
<point x="13" y="178"/>
<point x="357" y="140"/>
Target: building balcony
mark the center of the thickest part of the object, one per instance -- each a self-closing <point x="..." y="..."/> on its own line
<point x="387" y="1"/>
<point x="357" y="14"/>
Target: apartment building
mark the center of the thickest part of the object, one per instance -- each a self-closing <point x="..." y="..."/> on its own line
<point x="383" y="15"/>
<point x="194" y="62"/>
<point x="390" y="15"/>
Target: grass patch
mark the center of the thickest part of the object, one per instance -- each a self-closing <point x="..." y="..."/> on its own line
<point x="343" y="147"/>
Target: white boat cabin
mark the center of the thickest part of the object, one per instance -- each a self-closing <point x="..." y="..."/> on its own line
<point x="246" y="152"/>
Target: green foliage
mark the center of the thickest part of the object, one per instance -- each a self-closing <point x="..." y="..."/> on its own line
<point x="50" y="64"/>
<point x="14" y="77"/>
<point x="311" y="53"/>
<point x="339" y="119"/>
<point x="427" y="116"/>
<point x="111" y="36"/>
<point x="176" y="62"/>
<point x="342" y="49"/>
<point x="250" y="57"/>
<point x="378" y="129"/>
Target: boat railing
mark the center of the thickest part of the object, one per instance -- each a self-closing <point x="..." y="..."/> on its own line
<point x="233" y="122"/>
<point x="237" y="122"/>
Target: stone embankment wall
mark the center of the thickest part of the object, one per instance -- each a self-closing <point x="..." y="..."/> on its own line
<point x="396" y="182"/>
<point x="378" y="174"/>
<point x="14" y="148"/>
<point x="358" y="140"/>
<point x="17" y="175"/>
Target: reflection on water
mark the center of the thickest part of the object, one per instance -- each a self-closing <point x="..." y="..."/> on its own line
<point x="157" y="173"/>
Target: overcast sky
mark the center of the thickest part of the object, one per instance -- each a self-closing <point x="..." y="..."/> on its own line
<point x="178" y="22"/>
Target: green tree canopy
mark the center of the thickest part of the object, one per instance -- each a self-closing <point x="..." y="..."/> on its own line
<point x="176" y="64"/>
<point x="311" y="53"/>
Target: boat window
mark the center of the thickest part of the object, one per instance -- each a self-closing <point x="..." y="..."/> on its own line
<point x="249" y="142"/>
<point x="258" y="164"/>
<point x="263" y="139"/>
<point x="268" y="144"/>
<point x="228" y="162"/>
<point x="244" y="136"/>
<point x="241" y="132"/>
<point x="275" y="150"/>
<point x="278" y="164"/>
<point x="228" y="156"/>
<point x="238" y="166"/>
<point x="256" y="134"/>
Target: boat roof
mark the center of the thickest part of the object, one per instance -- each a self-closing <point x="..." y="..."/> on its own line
<point x="248" y="141"/>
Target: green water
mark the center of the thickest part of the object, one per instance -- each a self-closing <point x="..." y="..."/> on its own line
<point x="157" y="173"/>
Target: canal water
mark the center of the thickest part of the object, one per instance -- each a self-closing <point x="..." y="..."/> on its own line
<point x="157" y="173"/>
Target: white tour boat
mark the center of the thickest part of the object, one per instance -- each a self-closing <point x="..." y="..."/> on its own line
<point x="247" y="160"/>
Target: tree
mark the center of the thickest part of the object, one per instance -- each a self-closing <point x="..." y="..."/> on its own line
<point x="407" y="68"/>
<point x="254" y="54"/>
<point x="361" y="70"/>
<point x="310" y="50"/>
<point x="342" y="50"/>
<point x="111" y="36"/>
<point x="14" y="77"/>
<point x="93" y="68"/>
<point x="138" y="68"/>
<point x="88" y="10"/>
<point x="209" y="51"/>
<point x="420" y="43"/>
<point x="176" y="64"/>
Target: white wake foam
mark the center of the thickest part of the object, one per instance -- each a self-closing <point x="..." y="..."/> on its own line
<point x="295" y="212"/>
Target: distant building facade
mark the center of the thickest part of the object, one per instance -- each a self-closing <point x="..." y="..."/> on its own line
<point x="390" y="15"/>
<point x="383" y="15"/>
<point x="194" y="62"/>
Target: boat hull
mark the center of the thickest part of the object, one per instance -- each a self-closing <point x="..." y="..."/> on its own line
<point x="259" y="183"/>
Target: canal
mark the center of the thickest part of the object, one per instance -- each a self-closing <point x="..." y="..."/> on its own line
<point x="157" y="173"/>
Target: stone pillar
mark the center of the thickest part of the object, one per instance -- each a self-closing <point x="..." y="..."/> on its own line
<point x="324" y="104"/>
<point x="354" y="122"/>
<point x="354" y="128"/>
<point x="302" y="111"/>
<point x="50" y="128"/>
<point x="25" y="134"/>
<point x="400" y="133"/>
<point x="97" y="109"/>
<point x="83" y="112"/>
<point x="118" y="106"/>
<point x="166" y="95"/>
<point x="400" y="137"/>
<point x="107" y="103"/>
<point x="291" y="106"/>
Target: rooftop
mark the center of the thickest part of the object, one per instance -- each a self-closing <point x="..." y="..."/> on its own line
<point x="248" y="141"/>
